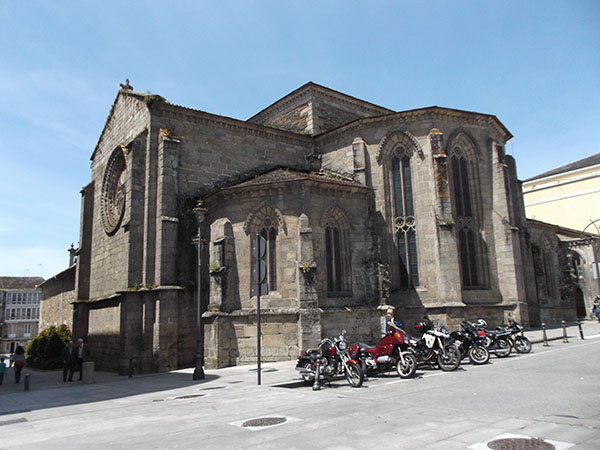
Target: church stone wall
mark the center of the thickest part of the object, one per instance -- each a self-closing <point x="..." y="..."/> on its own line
<point x="109" y="265"/>
<point x="58" y="295"/>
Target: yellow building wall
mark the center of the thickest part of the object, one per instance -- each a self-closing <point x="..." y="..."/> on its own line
<point x="571" y="199"/>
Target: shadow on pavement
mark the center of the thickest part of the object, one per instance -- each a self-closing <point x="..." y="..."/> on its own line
<point x="47" y="390"/>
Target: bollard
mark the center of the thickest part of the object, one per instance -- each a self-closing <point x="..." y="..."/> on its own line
<point x="26" y="383"/>
<point x="363" y="366"/>
<point x="316" y="385"/>
<point x="130" y="371"/>
<point x="564" y="332"/>
<point x="544" y="337"/>
<point x="580" y="330"/>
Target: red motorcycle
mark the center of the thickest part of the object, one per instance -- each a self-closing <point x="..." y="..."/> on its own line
<point x="391" y="351"/>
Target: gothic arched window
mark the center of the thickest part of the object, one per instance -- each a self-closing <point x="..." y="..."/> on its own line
<point x="471" y="247"/>
<point x="549" y="272"/>
<point x="266" y="222"/>
<point x="404" y="221"/>
<point x="337" y="253"/>
<point x="269" y="234"/>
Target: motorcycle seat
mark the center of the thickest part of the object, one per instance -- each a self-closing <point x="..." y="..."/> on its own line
<point x="363" y="346"/>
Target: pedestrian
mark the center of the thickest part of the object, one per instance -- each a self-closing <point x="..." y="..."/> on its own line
<point x="391" y="323"/>
<point x="19" y="363"/>
<point x="82" y="354"/>
<point x="2" y="369"/>
<point x="596" y="307"/>
<point x="69" y="360"/>
<point x="11" y="360"/>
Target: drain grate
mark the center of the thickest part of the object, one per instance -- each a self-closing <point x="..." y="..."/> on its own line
<point x="264" y="422"/>
<point x="212" y="388"/>
<point x="10" y="422"/>
<point x="520" y="444"/>
<point x="183" y="397"/>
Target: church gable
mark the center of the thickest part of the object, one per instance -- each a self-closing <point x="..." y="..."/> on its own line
<point x="127" y="118"/>
<point x="314" y="109"/>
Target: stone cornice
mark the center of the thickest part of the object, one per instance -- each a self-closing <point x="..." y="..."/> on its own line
<point x="201" y="117"/>
<point x="434" y="113"/>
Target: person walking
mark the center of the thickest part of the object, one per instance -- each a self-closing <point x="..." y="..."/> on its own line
<point x="19" y="363"/>
<point x="82" y="354"/>
<point x="2" y="369"/>
<point x="596" y="307"/>
<point x="69" y="360"/>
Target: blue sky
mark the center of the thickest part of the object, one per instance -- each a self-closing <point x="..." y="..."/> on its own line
<point x="534" y="64"/>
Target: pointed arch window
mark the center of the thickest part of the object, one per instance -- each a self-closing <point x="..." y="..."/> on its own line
<point x="269" y="234"/>
<point x="471" y="247"/>
<point x="548" y="261"/>
<point x="404" y="220"/>
<point x="337" y="254"/>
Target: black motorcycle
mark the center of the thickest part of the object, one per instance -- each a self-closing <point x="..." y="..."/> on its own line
<point x="496" y="341"/>
<point x="520" y="343"/>
<point x="470" y="344"/>
<point x="435" y="347"/>
<point x="329" y="360"/>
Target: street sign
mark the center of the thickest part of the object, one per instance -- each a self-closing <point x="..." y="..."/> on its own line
<point x="259" y="268"/>
<point x="259" y="271"/>
<point x="259" y="247"/>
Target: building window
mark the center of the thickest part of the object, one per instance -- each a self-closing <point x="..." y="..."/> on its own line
<point x="548" y="262"/>
<point x="269" y="234"/>
<point x="334" y="260"/>
<point x="28" y="313"/>
<point x="12" y="330"/>
<point x="337" y="253"/>
<point x="404" y="221"/>
<point x="27" y="330"/>
<point x="471" y="247"/>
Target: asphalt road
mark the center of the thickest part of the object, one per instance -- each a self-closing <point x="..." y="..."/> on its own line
<point x="552" y="393"/>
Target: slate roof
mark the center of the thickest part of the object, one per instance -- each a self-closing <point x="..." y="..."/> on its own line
<point x="20" y="282"/>
<point x="581" y="164"/>
<point x="286" y="175"/>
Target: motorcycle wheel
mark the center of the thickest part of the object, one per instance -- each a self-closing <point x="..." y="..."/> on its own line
<point x="409" y="367"/>
<point x="478" y="354"/>
<point x="450" y="361"/>
<point x="503" y="348"/>
<point x="522" y="344"/>
<point x="354" y="375"/>
<point x="307" y="377"/>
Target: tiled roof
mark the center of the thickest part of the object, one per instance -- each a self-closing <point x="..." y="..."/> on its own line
<point x="20" y="282"/>
<point x="581" y="164"/>
<point x="285" y="175"/>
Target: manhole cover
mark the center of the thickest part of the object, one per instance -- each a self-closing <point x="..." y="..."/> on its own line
<point x="182" y="397"/>
<point x="520" y="444"/>
<point x="264" y="422"/>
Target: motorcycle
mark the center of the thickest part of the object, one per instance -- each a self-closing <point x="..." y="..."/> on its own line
<point x="391" y="351"/>
<point x="497" y="341"/>
<point x="435" y="346"/>
<point x="329" y="360"/>
<point x="519" y="342"/>
<point x="470" y="344"/>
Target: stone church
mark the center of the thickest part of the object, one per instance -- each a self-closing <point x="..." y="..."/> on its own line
<point x="359" y="206"/>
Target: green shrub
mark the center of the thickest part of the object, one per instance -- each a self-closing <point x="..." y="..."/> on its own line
<point x="45" y="350"/>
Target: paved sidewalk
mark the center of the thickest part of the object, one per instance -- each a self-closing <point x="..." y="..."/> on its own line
<point x="273" y="373"/>
<point x="170" y="410"/>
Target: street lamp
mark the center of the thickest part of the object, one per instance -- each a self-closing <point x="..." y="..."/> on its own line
<point x="200" y="212"/>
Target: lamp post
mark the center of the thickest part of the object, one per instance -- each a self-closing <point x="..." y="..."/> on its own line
<point x="200" y="212"/>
